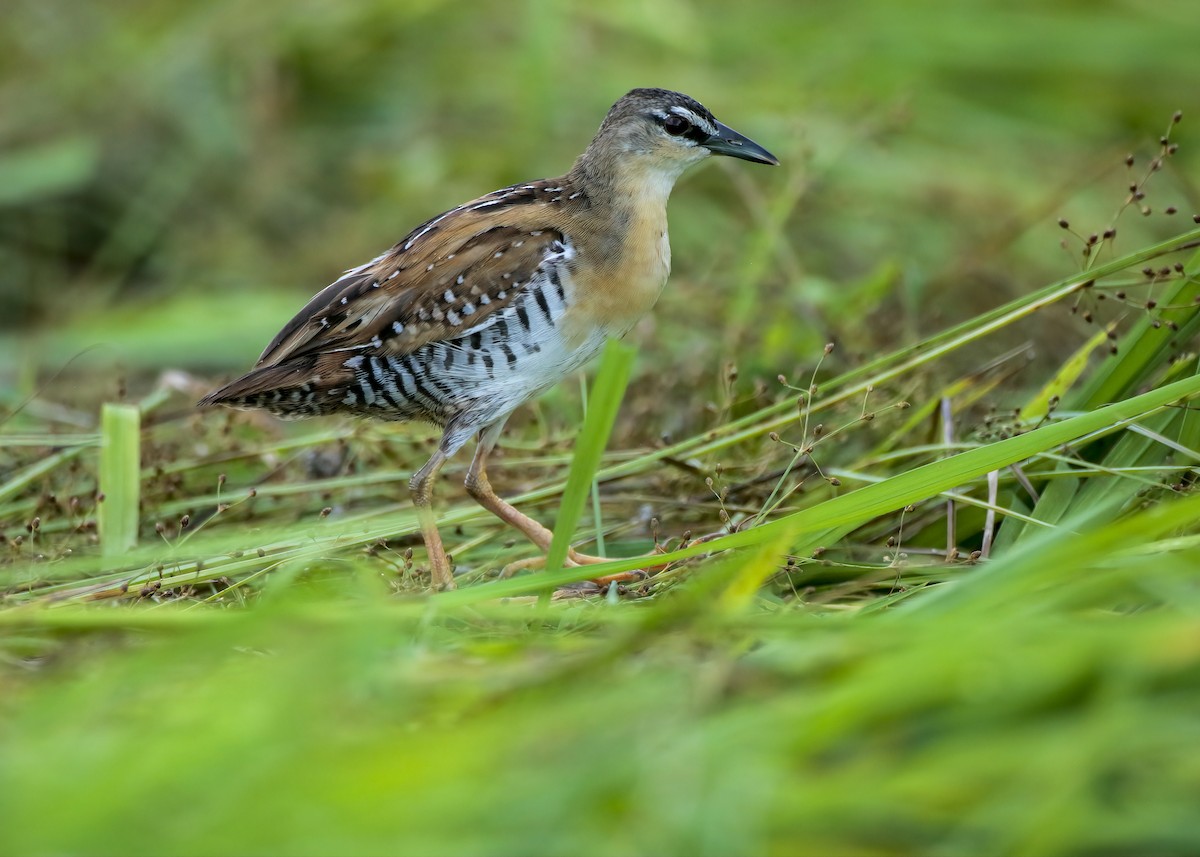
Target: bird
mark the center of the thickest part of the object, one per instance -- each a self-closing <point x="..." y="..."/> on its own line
<point x="491" y="303"/>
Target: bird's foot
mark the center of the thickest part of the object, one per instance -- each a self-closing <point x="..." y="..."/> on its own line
<point x="575" y="559"/>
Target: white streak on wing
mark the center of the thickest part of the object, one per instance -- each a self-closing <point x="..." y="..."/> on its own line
<point x="557" y="255"/>
<point x="425" y="229"/>
<point x="359" y="269"/>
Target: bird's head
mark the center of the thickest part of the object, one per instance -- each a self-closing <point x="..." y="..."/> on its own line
<point x="657" y="131"/>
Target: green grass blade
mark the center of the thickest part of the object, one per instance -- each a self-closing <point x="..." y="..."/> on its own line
<point x="858" y="507"/>
<point x="1147" y="345"/>
<point x="120" y="468"/>
<point x="602" y="407"/>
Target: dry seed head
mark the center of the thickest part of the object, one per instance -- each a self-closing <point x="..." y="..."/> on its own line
<point x="1170" y="209"/>
<point x="833" y="480"/>
<point x="829" y="346"/>
<point x="1064" y="223"/>
<point x="1129" y="160"/>
<point x="1176" y="117"/>
<point x="326" y="512"/>
<point x="774" y="436"/>
<point x="184" y="521"/>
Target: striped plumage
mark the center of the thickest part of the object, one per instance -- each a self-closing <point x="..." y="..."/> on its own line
<point x="493" y="302"/>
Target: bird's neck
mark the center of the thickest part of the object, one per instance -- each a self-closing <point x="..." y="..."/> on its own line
<point x="623" y="231"/>
<point x="624" y="182"/>
<point x="626" y="204"/>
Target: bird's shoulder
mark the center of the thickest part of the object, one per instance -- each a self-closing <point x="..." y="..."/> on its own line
<point x="442" y="280"/>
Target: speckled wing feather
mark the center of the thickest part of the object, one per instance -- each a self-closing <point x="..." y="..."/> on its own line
<point x="443" y="281"/>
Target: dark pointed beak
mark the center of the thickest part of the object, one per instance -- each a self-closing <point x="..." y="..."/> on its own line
<point x="729" y="142"/>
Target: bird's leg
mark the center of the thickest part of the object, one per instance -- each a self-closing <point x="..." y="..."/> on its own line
<point x="421" y="486"/>
<point x="480" y="489"/>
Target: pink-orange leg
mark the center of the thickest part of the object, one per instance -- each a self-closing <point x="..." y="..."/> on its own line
<point x="480" y="489"/>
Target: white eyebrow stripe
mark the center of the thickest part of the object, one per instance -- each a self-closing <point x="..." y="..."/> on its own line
<point x="696" y="119"/>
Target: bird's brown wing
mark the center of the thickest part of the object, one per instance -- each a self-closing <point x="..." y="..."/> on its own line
<point x="444" y="279"/>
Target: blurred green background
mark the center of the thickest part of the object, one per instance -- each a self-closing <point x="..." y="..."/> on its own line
<point x="177" y="178"/>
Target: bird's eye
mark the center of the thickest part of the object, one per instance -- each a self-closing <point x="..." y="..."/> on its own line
<point x="675" y="125"/>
